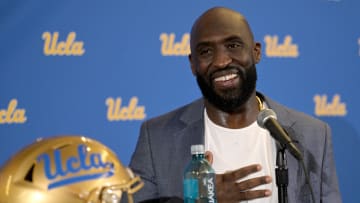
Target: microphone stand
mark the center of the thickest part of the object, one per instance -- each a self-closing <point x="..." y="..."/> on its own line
<point x="281" y="173"/>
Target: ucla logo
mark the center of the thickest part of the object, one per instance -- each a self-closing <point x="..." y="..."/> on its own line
<point x="69" y="47"/>
<point x="117" y="112"/>
<point x="169" y="47"/>
<point x="11" y="114"/>
<point x="285" y="49"/>
<point x="323" y="107"/>
<point x="77" y="168"/>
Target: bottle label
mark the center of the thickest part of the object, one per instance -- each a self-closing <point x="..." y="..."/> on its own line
<point x="191" y="188"/>
<point x="207" y="188"/>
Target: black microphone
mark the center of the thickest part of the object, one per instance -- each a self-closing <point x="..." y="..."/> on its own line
<point x="267" y="119"/>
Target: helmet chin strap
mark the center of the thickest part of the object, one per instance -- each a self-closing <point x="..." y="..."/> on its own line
<point x="104" y="195"/>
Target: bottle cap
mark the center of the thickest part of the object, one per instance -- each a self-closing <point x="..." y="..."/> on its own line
<point x="197" y="149"/>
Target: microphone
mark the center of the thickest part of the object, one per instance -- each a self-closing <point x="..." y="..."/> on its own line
<point x="267" y="119"/>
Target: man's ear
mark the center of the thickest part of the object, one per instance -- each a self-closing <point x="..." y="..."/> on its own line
<point x="257" y="52"/>
<point x="192" y="65"/>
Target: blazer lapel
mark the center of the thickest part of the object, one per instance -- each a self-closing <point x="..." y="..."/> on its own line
<point x="192" y="132"/>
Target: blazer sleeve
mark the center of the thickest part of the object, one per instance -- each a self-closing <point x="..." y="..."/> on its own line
<point x="329" y="184"/>
<point x="142" y="164"/>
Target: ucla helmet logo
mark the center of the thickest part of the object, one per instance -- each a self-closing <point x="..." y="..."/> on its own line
<point x="62" y="169"/>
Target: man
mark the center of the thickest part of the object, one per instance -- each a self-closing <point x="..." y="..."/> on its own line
<point x="223" y="58"/>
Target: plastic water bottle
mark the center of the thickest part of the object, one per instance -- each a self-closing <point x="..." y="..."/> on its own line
<point x="199" y="178"/>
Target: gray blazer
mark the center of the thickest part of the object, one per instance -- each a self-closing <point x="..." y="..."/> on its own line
<point x="163" y="151"/>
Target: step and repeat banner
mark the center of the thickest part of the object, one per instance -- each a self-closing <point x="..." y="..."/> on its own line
<point x="100" y="68"/>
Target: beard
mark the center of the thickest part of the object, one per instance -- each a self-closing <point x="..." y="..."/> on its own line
<point x="231" y="99"/>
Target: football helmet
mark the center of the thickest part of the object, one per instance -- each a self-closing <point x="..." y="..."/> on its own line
<point x="66" y="169"/>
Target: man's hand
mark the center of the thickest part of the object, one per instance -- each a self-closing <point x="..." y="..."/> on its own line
<point x="229" y="189"/>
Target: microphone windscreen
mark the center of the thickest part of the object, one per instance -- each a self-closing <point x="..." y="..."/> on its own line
<point x="264" y="115"/>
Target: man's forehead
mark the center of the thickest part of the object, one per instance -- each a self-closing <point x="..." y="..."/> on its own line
<point x="220" y="29"/>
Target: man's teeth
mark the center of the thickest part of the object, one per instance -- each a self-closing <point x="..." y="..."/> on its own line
<point x="225" y="78"/>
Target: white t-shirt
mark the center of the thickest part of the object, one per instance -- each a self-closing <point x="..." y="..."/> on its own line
<point x="236" y="148"/>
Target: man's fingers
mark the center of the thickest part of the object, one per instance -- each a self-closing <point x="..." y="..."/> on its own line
<point x="254" y="182"/>
<point x="233" y="187"/>
<point x="253" y="194"/>
<point x="240" y="173"/>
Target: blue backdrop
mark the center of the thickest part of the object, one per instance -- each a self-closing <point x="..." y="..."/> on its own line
<point x="100" y="68"/>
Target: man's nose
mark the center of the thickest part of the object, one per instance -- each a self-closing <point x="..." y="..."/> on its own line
<point x="221" y="59"/>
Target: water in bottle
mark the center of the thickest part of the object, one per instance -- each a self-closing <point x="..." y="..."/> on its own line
<point x="199" y="178"/>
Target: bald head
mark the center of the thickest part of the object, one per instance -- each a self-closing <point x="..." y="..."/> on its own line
<point x="219" y="19"/>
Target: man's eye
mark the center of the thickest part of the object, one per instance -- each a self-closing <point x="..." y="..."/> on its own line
<point x="204" y="51"/>
<point x="234" y="45"/>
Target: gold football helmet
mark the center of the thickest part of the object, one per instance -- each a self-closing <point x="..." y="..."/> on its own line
<point x="66" y="169"/>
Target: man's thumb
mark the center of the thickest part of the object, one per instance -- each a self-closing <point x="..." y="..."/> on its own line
<point x="209" y="156"/>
